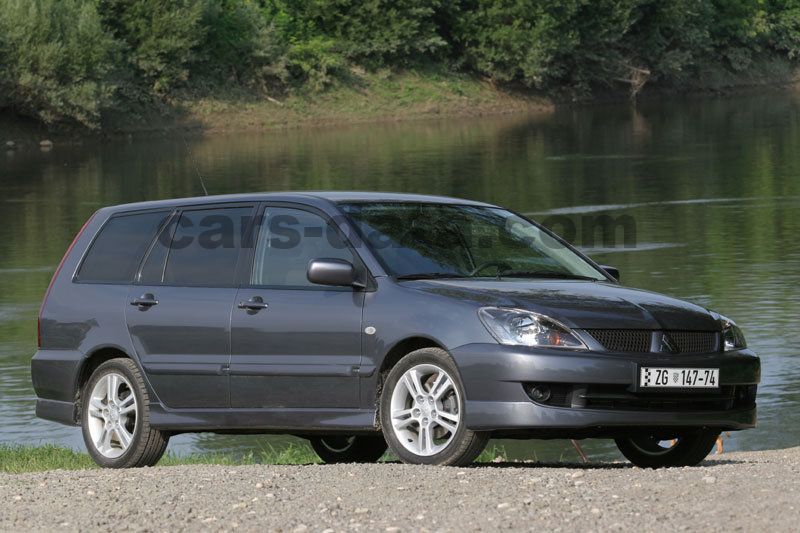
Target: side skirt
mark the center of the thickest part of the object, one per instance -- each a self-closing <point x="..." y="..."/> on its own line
<point x="273" y="420"/>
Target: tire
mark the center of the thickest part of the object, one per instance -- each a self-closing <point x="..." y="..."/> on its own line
<point x="349" y="448"/>
<point x="117" y="434"/>
<point x="686" y="449"/>
<point x="412" y="423"/>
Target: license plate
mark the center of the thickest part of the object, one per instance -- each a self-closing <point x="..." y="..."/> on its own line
<point x="684" y="378"/>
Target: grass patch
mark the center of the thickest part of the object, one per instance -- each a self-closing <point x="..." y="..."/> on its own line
<point x="293" y="454"/>
<point x="375" y="96"/>
<point x="19" y="459"/>
<point x="492" y="454"/>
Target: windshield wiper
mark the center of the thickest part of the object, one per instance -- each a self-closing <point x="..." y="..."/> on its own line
<point x="430" y="275"/>
<point x="549" y="275"/>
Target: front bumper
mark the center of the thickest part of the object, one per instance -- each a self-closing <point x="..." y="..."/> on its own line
<point x="495" y="377"/>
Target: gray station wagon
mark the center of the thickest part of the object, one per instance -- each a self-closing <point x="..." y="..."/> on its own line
<point x="361" y="320"/>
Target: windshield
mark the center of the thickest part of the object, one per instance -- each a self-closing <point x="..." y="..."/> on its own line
<point x="439" y="240"/>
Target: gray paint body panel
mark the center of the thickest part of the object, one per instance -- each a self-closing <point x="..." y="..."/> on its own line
<point x="300" y="352"/>
<point x="183" y="343"/>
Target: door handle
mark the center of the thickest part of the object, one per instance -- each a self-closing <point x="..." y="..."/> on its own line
<point x="144" y="301"/>
<point x="255" y="303"/>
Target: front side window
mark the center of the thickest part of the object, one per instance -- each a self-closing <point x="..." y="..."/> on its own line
<point x="117" y="250"/>
<point x="205" y="247"/>
<point x="437" y="240"/>
<point x="288" y="240"/>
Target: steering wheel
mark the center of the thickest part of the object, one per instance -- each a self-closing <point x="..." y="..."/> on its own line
<point x="499" y="265"/>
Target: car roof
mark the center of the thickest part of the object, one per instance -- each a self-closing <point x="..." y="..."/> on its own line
<point x="301" y="197"/>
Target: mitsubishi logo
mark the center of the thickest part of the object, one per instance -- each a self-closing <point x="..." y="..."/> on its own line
<point x="666" y="344"/>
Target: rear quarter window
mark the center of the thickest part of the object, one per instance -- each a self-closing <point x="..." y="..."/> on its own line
<point x="116" y="251"/>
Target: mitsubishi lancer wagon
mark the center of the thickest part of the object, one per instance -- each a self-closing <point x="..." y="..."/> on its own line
<point x="365" y="320"/>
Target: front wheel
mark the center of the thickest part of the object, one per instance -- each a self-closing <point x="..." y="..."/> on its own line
<point x="349" y="448"/>
<point x="115" y="418"/>
<point x="422" y="411"/>
<point x="684" y="449"/>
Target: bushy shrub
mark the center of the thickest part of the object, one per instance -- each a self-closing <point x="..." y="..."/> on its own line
<point x="537" y="42"/>
<point x="160" y="37"/>
<point x="580" y="44"/>
<point x="57" y="60"/>
<point x="241" y="45"/>
<point x="314" y="63"/>
<point x="783" y="18"/>
<point x="669" y="39"/>
<point x="371" y="31"/>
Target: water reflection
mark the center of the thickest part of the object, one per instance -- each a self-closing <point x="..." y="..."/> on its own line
<point x="712" y="185"/>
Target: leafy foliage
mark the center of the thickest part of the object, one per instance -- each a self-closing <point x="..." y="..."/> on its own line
<point x="315" y="62"/>
<point x="57" y="60"/>
<point x="160" y="38"/>
<point x="783" y="22"/>
<point x="373" y="31"/>
<point x="69" y="60"/>
<point x="242" y="45"/>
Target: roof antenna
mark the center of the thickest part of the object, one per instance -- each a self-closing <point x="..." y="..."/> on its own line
<point x="194" y="163"/>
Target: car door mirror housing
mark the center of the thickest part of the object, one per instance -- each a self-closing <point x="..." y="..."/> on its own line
<point x="333" y="272"/>
<point x="611" y="271"/>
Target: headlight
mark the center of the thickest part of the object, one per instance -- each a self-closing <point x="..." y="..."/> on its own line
<point x="525" y="328"/>
<point x="732" y="336"/>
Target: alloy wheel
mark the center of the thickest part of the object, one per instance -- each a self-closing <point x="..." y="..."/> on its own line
<point x="112" y="415"/>
<point x="425" y="410"/>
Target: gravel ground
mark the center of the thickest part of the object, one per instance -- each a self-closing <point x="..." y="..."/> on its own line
<point x="749" y="491"/>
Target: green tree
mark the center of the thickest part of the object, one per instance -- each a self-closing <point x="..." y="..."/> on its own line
<point x="543" y="44"/>
<point x="57" y="60"/>
<point x="669" y="39"/>
<point x="783" y="17"/>
<point x="241" y="45"/>
<point x="161" y="38"/>
<point x="372" y="31"/>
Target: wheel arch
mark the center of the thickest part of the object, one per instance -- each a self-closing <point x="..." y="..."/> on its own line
<point x="396" y="352"/>
<point x="89" y="364"/>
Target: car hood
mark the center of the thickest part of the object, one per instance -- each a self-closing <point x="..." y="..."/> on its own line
<point x="580" y="304"/>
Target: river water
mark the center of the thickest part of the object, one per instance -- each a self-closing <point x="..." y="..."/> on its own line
<point x="703" y="195"/>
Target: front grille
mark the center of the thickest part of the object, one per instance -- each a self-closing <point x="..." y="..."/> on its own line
<point x="623" y="340"/>
<point x="638" y="340"/>
<point x="694" y="341"/>
<point x="617" y="398"/>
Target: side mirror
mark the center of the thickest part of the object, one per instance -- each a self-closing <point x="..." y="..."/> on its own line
<point x="334" y="272"/>
<point x="612" y="271"/>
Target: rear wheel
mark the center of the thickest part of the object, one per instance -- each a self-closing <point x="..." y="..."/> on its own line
<point x="349" y="448"/>
<point x="115" y="418"/>
<point x="422" y="411"/>
<point x="653" y="451"/>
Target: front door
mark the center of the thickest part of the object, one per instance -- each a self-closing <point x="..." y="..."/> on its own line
<point x="295" y="344"/>
<point x="180" y="307"/>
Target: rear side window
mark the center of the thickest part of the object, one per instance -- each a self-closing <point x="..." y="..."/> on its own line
<point x="205" y="248"/>
<point x="117" y="250"/>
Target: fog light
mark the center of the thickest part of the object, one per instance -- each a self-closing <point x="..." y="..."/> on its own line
<point x="540" y="393"/>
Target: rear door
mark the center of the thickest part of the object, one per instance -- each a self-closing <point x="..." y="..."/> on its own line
<point x="180" y="306"/>
<point x="300" y="344"/>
